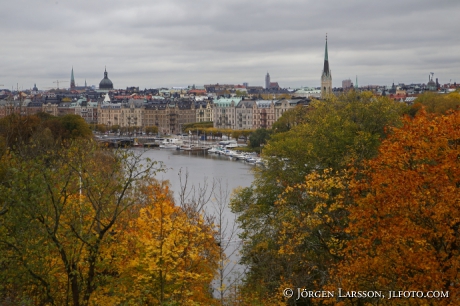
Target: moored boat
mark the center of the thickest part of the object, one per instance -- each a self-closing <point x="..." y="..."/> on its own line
<point x="171" y="143"/>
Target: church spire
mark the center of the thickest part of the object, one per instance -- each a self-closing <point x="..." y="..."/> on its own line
<point x="72" y="80"/>
<point x="326" y="77"/>
<point x="326" y="60"/>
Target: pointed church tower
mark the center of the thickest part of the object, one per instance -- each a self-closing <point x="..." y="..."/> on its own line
<point x="72" y="80"/>
<point x="326" y="77"/>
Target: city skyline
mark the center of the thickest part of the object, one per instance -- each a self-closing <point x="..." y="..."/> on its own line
<point x="179" y="43"/>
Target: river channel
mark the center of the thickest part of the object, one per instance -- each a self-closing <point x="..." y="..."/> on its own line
<point x="204" y="169"/>
<point x="200" y="167"/>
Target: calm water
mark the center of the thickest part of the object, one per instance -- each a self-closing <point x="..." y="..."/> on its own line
<point x="200" y="167"/>
<point x="203" y="168"/>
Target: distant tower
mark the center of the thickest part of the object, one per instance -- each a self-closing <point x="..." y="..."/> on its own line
<point x="326" y="77"/>
<point x="72" y="80"/>
<point x="356" y="85"/>
<point x="267" y="81"/>
<point x="431" y="85"/>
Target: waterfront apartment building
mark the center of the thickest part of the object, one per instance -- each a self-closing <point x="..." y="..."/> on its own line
<point x="124" y="115"/>
<point x="263" y="114"/>
<point x="234" y="113"/>
<point x="204" y="112"/>
<point x="224" y="113"/>
<point x="281" y="106"/>
<point x="244" y="115"/>
<point x="169" y="117"/>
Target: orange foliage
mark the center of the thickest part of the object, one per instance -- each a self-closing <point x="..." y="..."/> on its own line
<point x="406" y="217"/>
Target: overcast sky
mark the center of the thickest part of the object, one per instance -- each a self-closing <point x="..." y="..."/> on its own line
<point x="161" y="43"/>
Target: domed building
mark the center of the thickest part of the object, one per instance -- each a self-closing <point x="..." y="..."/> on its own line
<point x="105" y="84"/>
<point x="431" y="85"/>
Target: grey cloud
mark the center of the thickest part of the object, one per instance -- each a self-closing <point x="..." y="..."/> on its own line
<point x="179" y="42"/>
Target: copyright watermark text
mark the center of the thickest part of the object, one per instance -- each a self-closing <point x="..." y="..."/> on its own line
<point x="299" y="293"/>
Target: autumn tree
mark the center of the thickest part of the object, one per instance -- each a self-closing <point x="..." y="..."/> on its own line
<point x="151" y="130"/>
<point x="17" y="131"/>
<point x="102" y="128"/>
<point x="196" y="125"/>
<point x="271" y="96"/>
<point x="241" y="133"/>
<point x="290" y="118"/>
<point x="74" y="126"/>
<point x="169" y="257"/>
<point x="405" y="222"/>
<point x="59" y="210"/>
<point x="333" y="135"/>
<point x="312" y="216"/>
<point x="241" y="93"/>
<point x="115" y="128"/>
<point x="436" y="103"/>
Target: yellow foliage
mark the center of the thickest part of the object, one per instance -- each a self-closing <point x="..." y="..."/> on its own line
<point x="170" y="256"/>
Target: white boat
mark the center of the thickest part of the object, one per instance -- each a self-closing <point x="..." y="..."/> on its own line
<point x="252" y="155"/>
<point x="232" y="144"/>
<point x="229" y="144"/>
<point x="185" y="147"/>
<point x="239" y="156"/>
<point x="216" y="150"/>
<point x="191" y="147"/>
<point x="221" y="151"/>
<point x="171" y="143"/>
<point x="229" y="153"/>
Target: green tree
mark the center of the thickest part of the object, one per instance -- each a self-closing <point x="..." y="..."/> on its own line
<point x="259" y="138"/>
